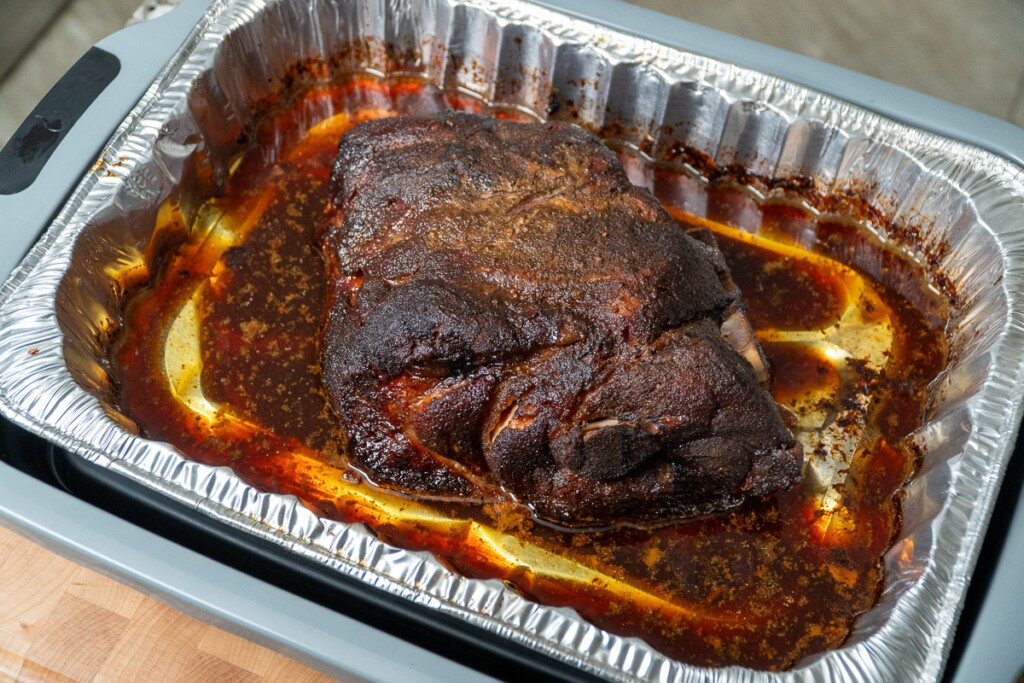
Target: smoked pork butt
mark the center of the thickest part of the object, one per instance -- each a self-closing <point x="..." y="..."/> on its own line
<point x="508" y="315"/>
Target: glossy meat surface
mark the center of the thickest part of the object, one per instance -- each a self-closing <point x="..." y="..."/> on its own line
<point x="508" y="315"/>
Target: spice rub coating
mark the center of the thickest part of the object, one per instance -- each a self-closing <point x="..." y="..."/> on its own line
<point x="508" y="315"/>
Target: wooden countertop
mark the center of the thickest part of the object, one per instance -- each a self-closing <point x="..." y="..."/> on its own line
<point x="63" y="623"/>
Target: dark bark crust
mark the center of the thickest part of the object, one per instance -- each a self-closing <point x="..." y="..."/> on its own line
<point x="509" y="315"/>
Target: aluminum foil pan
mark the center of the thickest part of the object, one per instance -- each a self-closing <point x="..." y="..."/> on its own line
<point x="959" y="209"/>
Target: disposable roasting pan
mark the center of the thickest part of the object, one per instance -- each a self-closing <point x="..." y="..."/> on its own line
<point x="952" y="175"/>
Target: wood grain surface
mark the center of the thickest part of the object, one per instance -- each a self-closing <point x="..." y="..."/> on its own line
<point x="63" y="623"/>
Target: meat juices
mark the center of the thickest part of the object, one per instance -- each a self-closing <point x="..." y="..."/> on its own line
<point x="508" y="314"/>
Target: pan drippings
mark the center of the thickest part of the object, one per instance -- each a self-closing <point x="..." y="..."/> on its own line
<point x="219" y="357"/>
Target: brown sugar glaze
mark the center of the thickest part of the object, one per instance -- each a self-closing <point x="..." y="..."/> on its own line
<point x="763" y="585"/>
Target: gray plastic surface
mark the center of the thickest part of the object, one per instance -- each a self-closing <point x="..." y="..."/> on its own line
<point x="320" y="637"/>
<point x="25" y="214"/>
<point x="215" y="593"/>
<point x="995" y="649"/>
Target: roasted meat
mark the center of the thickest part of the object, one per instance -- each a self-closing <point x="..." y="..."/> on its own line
<point x="508" y="315"/>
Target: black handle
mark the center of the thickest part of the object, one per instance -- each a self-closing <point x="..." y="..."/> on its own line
<point x="25" y="154"/>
